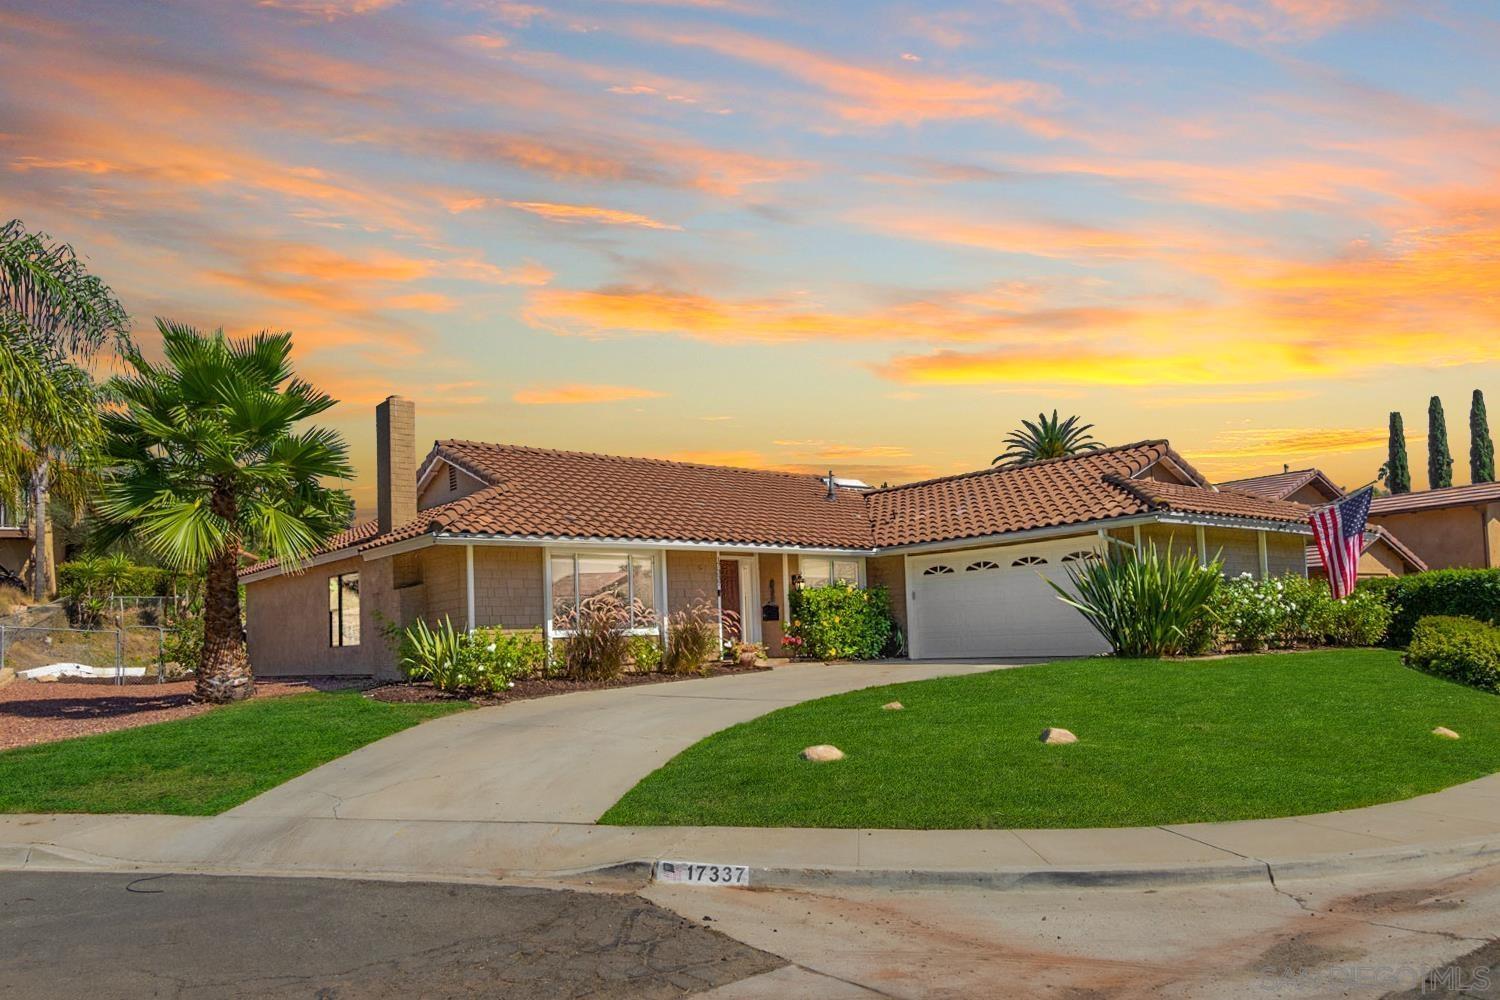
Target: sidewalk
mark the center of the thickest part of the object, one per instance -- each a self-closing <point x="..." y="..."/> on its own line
<point x="1464" y="820"/>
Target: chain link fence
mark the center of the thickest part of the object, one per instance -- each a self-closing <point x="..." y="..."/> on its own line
<point x="128" y="647"/>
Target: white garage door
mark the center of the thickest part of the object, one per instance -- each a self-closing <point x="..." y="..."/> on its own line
<point x="994" y="602"/>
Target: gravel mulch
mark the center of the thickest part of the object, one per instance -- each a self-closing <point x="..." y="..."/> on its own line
<point x="545" y="686"/>
<point x="40" y="712"/>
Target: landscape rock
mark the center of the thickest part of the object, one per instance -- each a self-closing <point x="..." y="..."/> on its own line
<point x="893" y="706"/>
<point x="1445" y="733"/>
<point x="822" y="752"/>
<point x="1054" y="735"/>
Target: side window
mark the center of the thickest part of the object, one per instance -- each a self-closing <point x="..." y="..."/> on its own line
<point x="343" y="610"/>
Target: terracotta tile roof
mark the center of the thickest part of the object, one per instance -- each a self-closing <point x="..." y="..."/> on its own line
<point x="537" y="492"/>
<point x="1374" y="536"/>
<point x="1220" y="503"/>
<point x="1281" y="485"/>
<point x="1452" y="496"/>
<point x="348" y="538"/>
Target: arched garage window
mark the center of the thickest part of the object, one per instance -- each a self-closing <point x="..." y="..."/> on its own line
<point x="937" y="570"/>
<point x="1030" y="561"/>
<point x="981" y="566"/>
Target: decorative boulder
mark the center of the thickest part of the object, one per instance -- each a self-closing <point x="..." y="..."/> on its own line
<point x="1445" y="733"/>
<point x="893" y="706"/>
<point x="1054" y="735"/>
<point x="822" y="752"/>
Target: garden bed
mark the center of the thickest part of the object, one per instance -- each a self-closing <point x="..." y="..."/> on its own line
<point x="542" y="687"/>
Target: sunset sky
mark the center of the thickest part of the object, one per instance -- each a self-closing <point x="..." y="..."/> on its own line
<point x="809" y="235"/>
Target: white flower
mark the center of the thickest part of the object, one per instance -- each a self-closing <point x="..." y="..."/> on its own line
<point x="490" y="648"/>
<point x="510" y="684"/>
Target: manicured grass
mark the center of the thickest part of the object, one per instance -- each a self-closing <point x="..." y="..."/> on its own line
<point x="201" y="765"/>
<point x="1159" y="742"/>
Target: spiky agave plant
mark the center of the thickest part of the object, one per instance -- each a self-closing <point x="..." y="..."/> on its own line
<point x="1144" y="602"/>
<point x="1048" y="437"/>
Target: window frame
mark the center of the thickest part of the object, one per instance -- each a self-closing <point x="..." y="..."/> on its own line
<point x="336" y="614"/>
<point x="630" y="558"/>
<point x="831" y="562"/>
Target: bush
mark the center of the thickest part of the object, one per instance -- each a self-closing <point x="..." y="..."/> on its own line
<point x="1361" y="619"/>
<point x="483" y="661"/>
<point x="645" y="653"/>
<point x="840" y="622"/>
<point x="1291" y="610"/>
<point x="182" y="646"/>
<point x="1470" y="593"/>
<point x="692" y="640"/>
<point x="1144" y="602"/>
<point x="1460" y="649"/>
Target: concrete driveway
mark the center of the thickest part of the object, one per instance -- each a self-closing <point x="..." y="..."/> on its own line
<point x="564" y="759"/>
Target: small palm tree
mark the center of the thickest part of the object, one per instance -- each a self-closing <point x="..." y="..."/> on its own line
<point x="1047" y="438"/>
<point x="205" y="460"/>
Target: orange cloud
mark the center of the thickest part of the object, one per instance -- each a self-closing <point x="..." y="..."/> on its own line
<point x="555" y="212"/>
<point x="869" y="96"/>
<point x="1052" y="239"/>
<point x="575" y="393"/>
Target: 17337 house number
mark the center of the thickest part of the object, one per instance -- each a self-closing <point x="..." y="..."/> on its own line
<point x="696" y="873"/>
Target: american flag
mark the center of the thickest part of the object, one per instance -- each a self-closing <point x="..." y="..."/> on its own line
<point x="1339" y="530"/>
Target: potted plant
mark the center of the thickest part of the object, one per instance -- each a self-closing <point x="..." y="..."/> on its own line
<point x="748" y="653"/>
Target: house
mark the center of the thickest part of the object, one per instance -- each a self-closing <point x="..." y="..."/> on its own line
<point x="495" y="534"/>
<point x="1384" y="553"/>
<point x="15" y="544"/>
<point x="1454" y="527"/>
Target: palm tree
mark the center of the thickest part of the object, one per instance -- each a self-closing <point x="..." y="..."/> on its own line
<point x="1047" y="438"/>
<point x="205" y="460"/>
<point x="53" y="314"/>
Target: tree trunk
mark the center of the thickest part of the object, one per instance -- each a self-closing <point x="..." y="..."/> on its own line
<point x="224" y="667"/>
<point x="41" y="541"/>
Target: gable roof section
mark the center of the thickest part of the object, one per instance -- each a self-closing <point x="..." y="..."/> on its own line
<point x="1215" y="503"/>
<point x="1376" y="536"/>
<point x="352" y="537"/>
<point x="1452" y="496"/>
<point x="568" y="494"/>
<point x="1283" y="484"/>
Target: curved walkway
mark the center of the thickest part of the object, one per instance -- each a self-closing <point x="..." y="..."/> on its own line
<point x="514" y="791"/>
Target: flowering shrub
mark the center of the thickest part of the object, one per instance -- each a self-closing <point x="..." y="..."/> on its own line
<point x="1252" y="615"/>
<point x="839" y="622"/>
<point x="645" y="653"/>
<point x="480" y="662"/>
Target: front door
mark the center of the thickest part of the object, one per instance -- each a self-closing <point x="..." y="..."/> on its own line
<point x="730" y="600"/>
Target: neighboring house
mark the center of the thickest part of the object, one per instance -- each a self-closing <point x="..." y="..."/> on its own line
<point x="15" y="543"/>
<point x="491" y="534"/>
<point x="1384" y="553"/>
<point x="1454" y="527"/>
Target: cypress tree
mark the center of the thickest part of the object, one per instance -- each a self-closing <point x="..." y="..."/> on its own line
<point x="1439" y="458"/>
<point x="1481" y="446"/>
<point x="1397" y="470"/>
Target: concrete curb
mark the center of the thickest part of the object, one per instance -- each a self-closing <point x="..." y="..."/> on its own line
<point x="634" y="874"/>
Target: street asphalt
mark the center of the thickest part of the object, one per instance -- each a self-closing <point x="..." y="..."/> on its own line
<point x="105" y="936"/>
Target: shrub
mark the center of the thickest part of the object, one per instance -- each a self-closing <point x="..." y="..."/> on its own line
<point x="841" y="622"/>
<point x="431" y="654"/>
<point x="1144" y="602"/>
<point x="1470" y="593"/>
<point x="692" y="639"/>
<point x="1291" y="610"/>
<point x="1246" y="613"/>
<point x="182" y="646"/>
<point x="1460" y="649"/>
<point x="645" y="653"/>
<point x="1361" y="619"/>
<point x="494" y="659"/>
<point x="599" y="646"/>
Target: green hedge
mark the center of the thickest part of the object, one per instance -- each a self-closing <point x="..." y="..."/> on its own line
<point x="1469" y="593"/>
<point x="1460" y="649"/>
<point x="840" y="622"/>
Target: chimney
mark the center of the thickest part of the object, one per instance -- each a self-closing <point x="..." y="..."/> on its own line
<point x="832" y="492"/>
<point x="395" y="462"/>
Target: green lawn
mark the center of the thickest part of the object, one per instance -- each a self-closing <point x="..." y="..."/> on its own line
<point x="201" y="765"/>
<point x="1159" y="742"/>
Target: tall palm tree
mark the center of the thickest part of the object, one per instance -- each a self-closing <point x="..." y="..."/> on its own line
<point x="206" y="459"/>
<point x="1049" y="437"/>
<point x="55" y="318"/>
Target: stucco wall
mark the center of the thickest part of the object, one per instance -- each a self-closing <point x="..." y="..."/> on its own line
<point x="890" y="572"/>
<point x="770" y="569"/>
<point x="15" y="554"/>
<point x="287" y="624"/>
<point x="1285" y="553"/>
<point x="1448" y="537"/>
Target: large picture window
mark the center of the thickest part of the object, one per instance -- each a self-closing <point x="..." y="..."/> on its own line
<point x="579" y="576"/>
<point x="821" y="571"/>
<point x="343" y="610"/>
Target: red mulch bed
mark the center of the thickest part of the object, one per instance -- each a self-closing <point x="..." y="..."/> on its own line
<point x="543" y="686"/>
<point x="43" y="711"/>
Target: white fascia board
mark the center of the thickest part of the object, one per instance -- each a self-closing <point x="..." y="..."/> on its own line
<point x="306" y="564"/>
<point x="1030" y="534"/>
<point x="1242" y="523"/>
